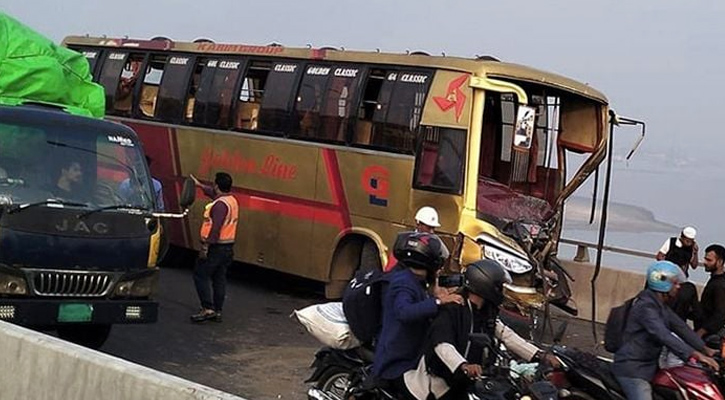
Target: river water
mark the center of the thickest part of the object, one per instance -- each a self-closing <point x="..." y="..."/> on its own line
<point x="652" y="201"/>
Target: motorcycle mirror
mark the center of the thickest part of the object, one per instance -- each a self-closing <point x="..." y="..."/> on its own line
<point x="480" y="339"/>
<point x="560" y="331"/>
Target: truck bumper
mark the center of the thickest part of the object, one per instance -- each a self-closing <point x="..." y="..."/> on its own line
<point x="48" y="312"/>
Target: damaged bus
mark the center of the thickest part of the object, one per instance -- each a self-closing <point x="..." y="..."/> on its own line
<point x="332" y="151"/>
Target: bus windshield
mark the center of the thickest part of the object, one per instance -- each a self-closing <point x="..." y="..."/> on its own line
<point x="518" y="182"/>
<point x="79" y="164"/>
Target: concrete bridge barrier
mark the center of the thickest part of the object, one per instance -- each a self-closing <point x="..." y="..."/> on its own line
<point x="38" y="366"/>
<point x="613" y="287"/>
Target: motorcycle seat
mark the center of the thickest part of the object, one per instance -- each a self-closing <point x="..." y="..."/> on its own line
<point x="594" y="365"/>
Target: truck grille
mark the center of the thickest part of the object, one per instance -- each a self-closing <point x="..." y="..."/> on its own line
<point x="72" y="284"/>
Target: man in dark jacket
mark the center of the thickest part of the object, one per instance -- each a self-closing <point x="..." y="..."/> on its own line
<point x="408" y="308"/>
<point x="451" y="359"/>
<point x="712" y="304"/>
<point x="650" y="326"/>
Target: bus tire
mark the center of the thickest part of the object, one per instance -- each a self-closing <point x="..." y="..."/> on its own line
<point x="352" y="254"/>
<point x="370" y="257"/>
<point x="92" y="335"/>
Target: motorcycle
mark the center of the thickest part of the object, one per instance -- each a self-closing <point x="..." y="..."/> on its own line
<point x="343" y="374"/>
<point x="585" y="376"/>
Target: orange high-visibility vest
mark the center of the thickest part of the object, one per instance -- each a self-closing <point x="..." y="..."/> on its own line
<point x="229" y="226"/>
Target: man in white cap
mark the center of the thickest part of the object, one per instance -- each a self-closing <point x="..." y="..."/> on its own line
<point x="681" y="250"/>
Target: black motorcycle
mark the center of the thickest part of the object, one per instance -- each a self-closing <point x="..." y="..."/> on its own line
<point x="344" y="374"/>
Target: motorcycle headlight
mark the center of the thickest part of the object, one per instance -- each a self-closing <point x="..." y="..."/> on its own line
<point x="511" y="263"/>
<point x="12" y="284"/>
<point x="144" y="286"/>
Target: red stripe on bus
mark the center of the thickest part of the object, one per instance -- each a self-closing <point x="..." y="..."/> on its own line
<point x="337" y="190"/>
<point x="290" y="207"/>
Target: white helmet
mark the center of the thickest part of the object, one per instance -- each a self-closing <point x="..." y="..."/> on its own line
<point x="427" y="216"/>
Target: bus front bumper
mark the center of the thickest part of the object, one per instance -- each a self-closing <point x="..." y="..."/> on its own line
<point x="48" y="312"/>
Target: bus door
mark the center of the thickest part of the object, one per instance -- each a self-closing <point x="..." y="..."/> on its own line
<point x="119" y="76"/>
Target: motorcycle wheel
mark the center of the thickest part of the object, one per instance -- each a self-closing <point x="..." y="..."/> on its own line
<point x="334" y="382"/>
<point x="578" y="395"/>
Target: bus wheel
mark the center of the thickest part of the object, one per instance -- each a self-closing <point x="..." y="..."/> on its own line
<point x="92" y="336"/>
<point x="369" y="257"/>
<point x="355" y="253"/>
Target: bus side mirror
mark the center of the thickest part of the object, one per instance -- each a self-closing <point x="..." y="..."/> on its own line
<point x="524" y="130"/>
<point x="188" y="194"/>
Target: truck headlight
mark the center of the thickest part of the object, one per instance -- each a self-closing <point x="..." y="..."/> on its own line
<point x="511" y="263"/>
<point x="13" y="284"/>
<point x="144" y="286"/>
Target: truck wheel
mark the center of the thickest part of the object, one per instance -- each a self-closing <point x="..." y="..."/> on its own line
<point x="92" y="336"/>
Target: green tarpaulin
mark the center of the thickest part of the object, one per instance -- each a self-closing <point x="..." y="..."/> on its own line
<point x="34" y="69"/>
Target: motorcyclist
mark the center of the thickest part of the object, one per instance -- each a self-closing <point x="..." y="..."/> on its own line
<point x="408" y="307"/>
<point x="650" y="326"/>
<point x="450" y="357"/>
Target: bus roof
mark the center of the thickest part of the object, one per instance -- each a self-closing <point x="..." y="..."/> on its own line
<point x="486" y="66"/>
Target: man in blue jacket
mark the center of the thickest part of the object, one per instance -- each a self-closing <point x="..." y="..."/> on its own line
<point x="652" y="325"/>
<point x="408" y="307"/>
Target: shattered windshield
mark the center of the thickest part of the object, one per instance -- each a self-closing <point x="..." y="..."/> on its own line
<point x="519" y="182"/>
<point x="71" y="164"/>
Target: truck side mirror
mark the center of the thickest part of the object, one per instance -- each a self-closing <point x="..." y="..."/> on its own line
<point x="188" y="194"/>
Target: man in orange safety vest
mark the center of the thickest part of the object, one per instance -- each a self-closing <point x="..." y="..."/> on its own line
<point x="218" y="232"/>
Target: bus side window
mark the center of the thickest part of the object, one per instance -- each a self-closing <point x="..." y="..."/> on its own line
<point x="309" y="101"/>
<point x="250" y="95"/>
<point x="440" y="159"/>
<point x="125" y="92"/>
<point x="339" y="100"/>
<point x="92" y="56"/>
<point x="213" y="100"/>
<point x="274" y="116"/>
<point x="150" y="85"/>
<point x="368" y="107"/>
<point x="173" y="88"/>
<point x="397" y="111"/>
<point x="110" y="76"/>
<point x="193" y="90"/>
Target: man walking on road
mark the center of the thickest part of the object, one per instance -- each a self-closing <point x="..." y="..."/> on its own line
<point x="218" y="232"/>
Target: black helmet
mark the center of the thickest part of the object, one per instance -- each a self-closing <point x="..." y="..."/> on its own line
<point x="419" y="250"/>
<point x="486" y="278"/>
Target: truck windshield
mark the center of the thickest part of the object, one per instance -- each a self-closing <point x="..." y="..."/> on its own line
<point x="71" y="164"/>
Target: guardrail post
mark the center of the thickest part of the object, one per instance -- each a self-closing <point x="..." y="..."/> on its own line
<point x="582" y="254"/>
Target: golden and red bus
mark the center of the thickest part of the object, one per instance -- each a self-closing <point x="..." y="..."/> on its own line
<point x="332" y="151"/>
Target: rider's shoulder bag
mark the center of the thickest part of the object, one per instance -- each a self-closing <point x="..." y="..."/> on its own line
<point x="362" y="304"/>
<point x="616" y="322"/>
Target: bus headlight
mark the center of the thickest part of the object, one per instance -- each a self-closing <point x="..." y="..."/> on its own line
<point x="12" y="284"/>
<point x="511" y="263"/>
<point x="144" y="286"/>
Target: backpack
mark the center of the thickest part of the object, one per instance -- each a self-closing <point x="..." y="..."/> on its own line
<point x="616" y="323"/>
<point x="362" y="304"/>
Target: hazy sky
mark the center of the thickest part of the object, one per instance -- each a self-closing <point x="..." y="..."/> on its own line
<point x="659" y="60"/>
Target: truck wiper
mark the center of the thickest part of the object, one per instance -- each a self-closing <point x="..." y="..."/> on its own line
<point x="21" y="207"/>
<point x="136" y="209"/>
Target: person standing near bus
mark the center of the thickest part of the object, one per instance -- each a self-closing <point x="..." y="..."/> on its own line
<point x="218" y="233"/>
